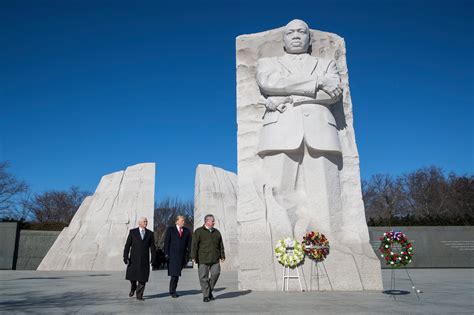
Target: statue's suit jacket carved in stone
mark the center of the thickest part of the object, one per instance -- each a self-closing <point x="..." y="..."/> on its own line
<point x="308" y="118"/>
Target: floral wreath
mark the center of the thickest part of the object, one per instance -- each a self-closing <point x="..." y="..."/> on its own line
<point x="396" y="259"/>
<point x="316" y="246"/>
<point x="289" y="252"/>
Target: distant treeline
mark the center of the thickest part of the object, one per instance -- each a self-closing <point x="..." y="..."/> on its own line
<point x="53" y="210"/>
<point x="426" y="196"/>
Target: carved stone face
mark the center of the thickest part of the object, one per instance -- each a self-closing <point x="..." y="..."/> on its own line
<point x="296" y="37"/>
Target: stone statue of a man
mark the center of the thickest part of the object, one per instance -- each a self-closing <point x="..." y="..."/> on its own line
<point x="299" y="140"/>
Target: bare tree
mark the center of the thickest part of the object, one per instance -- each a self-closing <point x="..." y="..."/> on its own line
<point x="427" y="192"/>
<point x="12" y="192"/>
<point x="56" y="206"/>
<point x="383" y="196"/>
<point x="423" y="197"/>
<point x="461" y="196"/>
<point x="165" y="215"/>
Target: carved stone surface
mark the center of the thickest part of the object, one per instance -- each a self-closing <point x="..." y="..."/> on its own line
<point x="216" y="193"/>
<point x="95" y="238"/>
<point x="298" y="163"/>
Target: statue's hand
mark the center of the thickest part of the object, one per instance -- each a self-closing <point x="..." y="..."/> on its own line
<point x="331" y="87"/>
<point x="271" y="105"/>
<point x="278" y="103"/>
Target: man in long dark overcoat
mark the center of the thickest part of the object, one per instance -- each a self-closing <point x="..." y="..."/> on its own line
<point x="177" y="248"/>
<point x="136" y="255"/>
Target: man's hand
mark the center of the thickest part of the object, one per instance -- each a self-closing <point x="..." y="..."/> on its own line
<point x="125" y="260"/>
<point x="330" y="87"/>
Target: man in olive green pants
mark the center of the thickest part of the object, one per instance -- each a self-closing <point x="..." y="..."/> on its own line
<point x="207" y="250"/>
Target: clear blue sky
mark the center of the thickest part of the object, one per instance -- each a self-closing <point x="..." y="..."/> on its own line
<point x="90" y="87"/>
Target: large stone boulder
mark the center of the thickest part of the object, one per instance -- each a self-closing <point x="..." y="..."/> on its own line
<point x="95" y="238"/>
<point x="216" y="193"/>
<point x="352" y="264"/>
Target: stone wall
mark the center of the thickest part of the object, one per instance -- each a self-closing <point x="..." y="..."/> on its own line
<point x="434" y="246"/>
<point x="33" y="246"/>
<point x="8" y="245"/>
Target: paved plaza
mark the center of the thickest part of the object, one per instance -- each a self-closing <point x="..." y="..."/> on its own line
<point x="444" y="291"/>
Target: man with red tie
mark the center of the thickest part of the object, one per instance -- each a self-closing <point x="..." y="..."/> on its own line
<point x="177" y="248"/>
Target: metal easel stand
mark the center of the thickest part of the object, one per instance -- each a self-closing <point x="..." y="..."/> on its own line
<point x="394" y="292"/>
<point x="286" y="278"/>
<point x="413" y="285"/>
<point x="315" y="265"/>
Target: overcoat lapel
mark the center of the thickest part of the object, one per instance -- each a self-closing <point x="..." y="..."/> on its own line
<point x="309" y="64"/>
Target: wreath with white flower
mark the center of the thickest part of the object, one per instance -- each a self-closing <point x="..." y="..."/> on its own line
<point x="316" y="246"/>
<point x="396" y="249"/>
<point x="289" y="252"/>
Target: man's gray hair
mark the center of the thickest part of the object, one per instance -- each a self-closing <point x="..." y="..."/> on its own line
<point x="207" y="217"/>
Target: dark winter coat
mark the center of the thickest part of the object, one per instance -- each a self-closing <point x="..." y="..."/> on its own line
<point x="207" y="246"/>
<point x="137" y="252"/>
<point x="177" y="249"/>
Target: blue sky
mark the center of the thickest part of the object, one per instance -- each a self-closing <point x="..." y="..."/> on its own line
<point x="90" y="87"/>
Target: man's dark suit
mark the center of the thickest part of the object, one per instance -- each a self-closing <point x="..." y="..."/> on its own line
<point x="138" y="262"/>
<point x="177" y="248"/>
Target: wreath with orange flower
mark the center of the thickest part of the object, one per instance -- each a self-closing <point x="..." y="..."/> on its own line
<point x="315" y="246"/>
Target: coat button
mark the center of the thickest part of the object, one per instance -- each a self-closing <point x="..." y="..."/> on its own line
<point x="306" y="114"/>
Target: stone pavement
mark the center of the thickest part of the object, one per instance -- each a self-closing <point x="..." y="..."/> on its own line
<point x="48" y="292"/>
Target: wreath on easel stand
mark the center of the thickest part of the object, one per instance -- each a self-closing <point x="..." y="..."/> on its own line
<point x="397" y="251"/>
<point x="396" y="257"/>
<point x="289" y="252"/>
<point x="316" y="246"/>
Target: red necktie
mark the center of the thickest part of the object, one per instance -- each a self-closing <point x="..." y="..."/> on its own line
<point x="180" y="231"/>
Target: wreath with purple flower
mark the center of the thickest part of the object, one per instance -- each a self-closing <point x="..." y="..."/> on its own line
<point x="396" y="249"/>
<point x="315" y="246"/>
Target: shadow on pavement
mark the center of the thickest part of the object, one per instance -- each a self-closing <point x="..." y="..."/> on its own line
<point x="40" y="303"/>
<point x="180" y="293"/>
<point x="230" y="295"/>
<point x="395" y="292"/>
<point x="39" y="278"/>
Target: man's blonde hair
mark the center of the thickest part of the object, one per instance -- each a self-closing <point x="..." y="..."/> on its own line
<point x="179" y="217"/>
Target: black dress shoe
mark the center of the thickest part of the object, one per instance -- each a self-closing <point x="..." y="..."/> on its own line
<point x="174" y="295"/>
<point x="211" y="297"/>
<point x="131" y="293"/>
<point x="206" y="299"/>
<point x="140" y="299"/>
